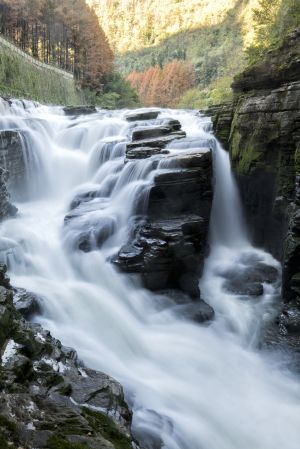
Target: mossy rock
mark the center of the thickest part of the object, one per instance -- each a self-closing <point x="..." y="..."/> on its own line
<point x="3" y="442"/>
<point x="58" y="442"/>
<point x="101" y="423"/>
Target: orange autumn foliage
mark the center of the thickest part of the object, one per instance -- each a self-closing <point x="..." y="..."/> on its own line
<point x="163" y="87"/>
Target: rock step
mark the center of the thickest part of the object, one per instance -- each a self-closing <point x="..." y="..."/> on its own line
<point x="183" y="190"/>
<point x="79" y="110"/>
<point x="149" y="133"/>
<point x="143" y="153"/>
<point x="168" y="253"/>
<point x="157" y="142"/>
<point x="142" y="115"/>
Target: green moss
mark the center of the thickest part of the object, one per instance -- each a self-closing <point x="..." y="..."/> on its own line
<point x="7" y="424"/>
<point x="3" y="442"/>
<point x="58" y="442"/>
<point x="53" y="379"/>
<point x="19" y="78"/>
<point x="65" y="390"/>
<point x="101" y="423"/>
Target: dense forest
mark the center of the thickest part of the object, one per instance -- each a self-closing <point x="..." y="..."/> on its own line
<point x="219" y="39"/>
<point x="65" y="33"/>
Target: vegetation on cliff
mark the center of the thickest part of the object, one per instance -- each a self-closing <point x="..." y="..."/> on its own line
<point x="19" y="78"/>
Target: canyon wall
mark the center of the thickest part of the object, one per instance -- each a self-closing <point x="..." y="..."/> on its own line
<point x="261" y="129"/>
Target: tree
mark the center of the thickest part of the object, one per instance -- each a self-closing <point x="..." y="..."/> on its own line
<point x="61" y="32"/>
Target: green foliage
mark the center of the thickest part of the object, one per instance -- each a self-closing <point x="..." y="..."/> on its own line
<point x="7" y="424"/>
<point x="58" y="442"/>
<point x="273" y="20"/>
<point x="216" y="52"/>
<point x="216" y="93"/>
<point x="3" y="442"/>
<point x="19" y="78"/>
<point x="117" y="94"/>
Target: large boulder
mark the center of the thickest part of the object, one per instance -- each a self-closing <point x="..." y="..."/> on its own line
<point x="168" y="253"/>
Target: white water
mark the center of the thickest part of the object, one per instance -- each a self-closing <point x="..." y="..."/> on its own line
<point x="196" y="387"/>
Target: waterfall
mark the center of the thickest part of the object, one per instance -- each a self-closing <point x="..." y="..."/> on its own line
<point x="190" y="386"/>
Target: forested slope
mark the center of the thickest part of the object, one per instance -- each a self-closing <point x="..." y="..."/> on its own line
<point x="218" y="38"/>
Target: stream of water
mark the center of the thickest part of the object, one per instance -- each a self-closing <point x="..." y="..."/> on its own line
<point x="192" y="386"/>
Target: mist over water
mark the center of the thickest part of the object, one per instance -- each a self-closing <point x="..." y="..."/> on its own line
<point x="192" y="386"/>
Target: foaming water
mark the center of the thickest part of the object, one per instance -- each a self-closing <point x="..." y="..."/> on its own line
<point x="193" y="387"/>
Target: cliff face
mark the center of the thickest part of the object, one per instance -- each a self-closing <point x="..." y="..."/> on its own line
<point x="261" y="129"/>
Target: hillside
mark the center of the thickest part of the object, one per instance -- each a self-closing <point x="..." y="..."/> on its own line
<point x="218" y="38"/>
<point x="134" y="24"/>
<point x="212" y="36"/>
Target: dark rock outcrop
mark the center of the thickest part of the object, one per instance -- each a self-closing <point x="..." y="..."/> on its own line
<point x="277" y="68"/>
<point x="79" y="110"/>
<point x="222" y="116"/>
<point x="12" y="160"/>
<point x="48" y="399"/>
<point x="168" y="253"/>
<point x="7" y="209"/>
<point x="168" y="247"/>
<point x="185" y="188"/>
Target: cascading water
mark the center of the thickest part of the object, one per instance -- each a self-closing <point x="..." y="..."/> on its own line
<point x="193" y="387"/>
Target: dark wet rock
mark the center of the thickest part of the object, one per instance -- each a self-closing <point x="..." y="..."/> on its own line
<point x="48" y="398"/>
<point x="198" y="311"/>
<point x="4" y="280"/>
<point x="168" y="247"/>
<point x="79" y="110"/>
<point x="168" y="253"/>
<point x="173" y="124"/>
<point x="248" y="280"/>
<point x="151" y="132"/>
<point x="185" y="188"/>
<point x="12" y="160"/>
<point x="7" y="209"/>
<point x="84" y="197"/>
<point x="27" y="303"/>
<point x="143" y="153"/>
<point x="88" y="228"/>
<point x="141" y="115"/>
<point x="157" y="142"/>
<point x="222" y="116"/>
<point x="237" y="287"/>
